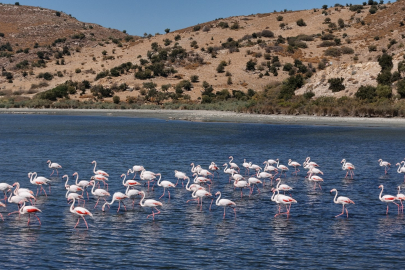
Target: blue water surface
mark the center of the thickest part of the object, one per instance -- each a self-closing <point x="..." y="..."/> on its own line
<point x="183" y="236"/>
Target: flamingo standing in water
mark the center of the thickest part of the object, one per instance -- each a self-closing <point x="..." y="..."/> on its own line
<point x="99" y="177"/>
<point x="99" y="171"/>
<point x="200" y="194"/>
<point x="17" y="200"/>
<point x="71" y="188"/>
<point x="254" y="167"/>
<point x="132" y="193"/>
<point x="5" y="188"/>
<point x="180" y="175"/>
<point x="312" y="170"/>
<point x="401" y="169"/>
<point x="30" y="210"/>
<point x="80" y="211"/>
<point x="343" y="201"/>
<point x="401" y="198"/>
<point x="99" y="193"/>
<point x="246" y="166"/>
<point x="83" y="184"/>
<point x="129" y="183"/>
<point x="54" y="166"/>
<point x="42" y="179"/>
<point x="150" y="203"/>
<point x="213" y="167"/>
<point x="282" y="187"/>
<point x="348" y="167"/>
<point x="2" y="205"/>
<point x="316" y="179"/>
<point x="295" y="165"/>
<point x="233" y="165"/>
<point x="284" y="200"/>
<point x="38" y="182"/>
<point x="384" y="164"/>
<point x="253" y="182"/>
<point x="264" y="175"/>
<point x="165" y="184"/>
<point x="228" y="171"/>
<point x="24" y="192"/>
<point x="224" y="203"/>
<point x="282" y="168"/>
<point x="135" y="169"/>
<point x="310" y="163"/>
<point x="75" y="196"/>
<point x="387" y="198"/>
<point x="148" y="176"/>
<point x="118" y="196"/>
<point x="193" y="188"/>
<point x="240" y="184"/>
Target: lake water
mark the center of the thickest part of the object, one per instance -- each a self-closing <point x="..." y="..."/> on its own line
<point x="183" y="236"/>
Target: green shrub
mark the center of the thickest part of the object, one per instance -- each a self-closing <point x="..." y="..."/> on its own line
<point x="60" y="91"/>
<point x="287" y="67"/>
<point x="194" y="78"/>
<point x="300" y="22"/>
<point x="197" y="28"/>
<point x="235" y="26"/>
<point x="334" y="52"/>
<point x="309" y="94"/>
<point x="347" y="50"/>
<point x="78" y="70"/>
<point x="384" y="77"/>
<point x="327" y="43"/>
<point x="116" y="99"/>
<point x="401" y="88"/>
<point x="383" y="91"/>
<point x="279" y="18"/>
<point x="250" y="65"/>
<point x="356" y="8"/>
<point x="367" y="92"/>
<point x="290" y="85"/>
<point x="223" y="25"/>
<point x="336" y="84"/>
<point x="99" y="91"/>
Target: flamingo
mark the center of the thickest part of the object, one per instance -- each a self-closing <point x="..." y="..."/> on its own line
<point x="193" y="186"/>
<point x="233" y="165"/>
<point x="270" y="162"/>
<point x="118" y="196"/>
<point x="17" y="200"/>
<point x="295" y="165"/>
<point x="99" y="193"/>
<point x="83" y="184"/>
<point x="343" y="201"/>
<point x="193" y="168"/>
<point x="200" y="193"/>
<point x="2" y="205"/>
<point x="213" y="167"/>
<point x="385" y="164"/>
<point x="99" y="171"/>
<point x="281" y="168"/>
<point x="30" y="210"/>
<point x="264" y="175"/>
<point x="75" y="196"/>
<point x="99" y="177"/>
<point x="240" y="184"/>
<point x="246" y="166"/>
<point x="148" y="176"/>
<point x="5" y="188"/>
<point x="348" y="167"/>
<point x="283" y="199"/>
<point x="135" y="169"/>
<point x="23" y="192"/>
<point x="39" y="182"/>
<point x="387" y="198"/>
<point x="165" y="184"/>
<point x="129" y="183"/>
<point x="54" y="166"/>
<point x="71" y="188"/>
<point x="316" y="179"/>
<point x="253" y="181"/>
<point x="311" y="163"/>
<point x="254" y="167"/>
<point x="150" y="203"/>
<point x="131" y="193"/>
<point x="204" y="172"/>
<point x="400" y="198"/>
<point x="81" y="212"/>
<point x="282" y="187"/>
<point x="42" y="179"/>
<point x="224" y="203"/>
<point x="312" y="170"/>
<point x="228" y="171"/>
<point x="180" y="175"/>
<point x="401" y="169"/>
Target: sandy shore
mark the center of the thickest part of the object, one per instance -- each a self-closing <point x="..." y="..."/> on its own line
<point x="220" y="116"/>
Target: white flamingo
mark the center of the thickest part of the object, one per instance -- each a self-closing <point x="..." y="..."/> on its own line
<point x="315" y="179"/>
<point x="241" y="184"/>
<point x="38" y="182"/>
<point x="99" y="193"/>
<point x="295" y="165"/>
<point x="150" y="203"/>
<point x="80" y="211"/>
<point x="384" y="164"/>
<point x="401" y="169"/>
<point x="253" y="182"/>
<point x="281" y="168"/>
<point x="129" y="183"/>
<point x="233" y="165"/>
<point x="132" y="193"/>
<point x="84" y="184"/>
<point x="54" y="166"/>
<point x="348" y="167"/>
<point x="118" y="196"/>
<point x="401" y="198"/>
<point x="135" y="169"/>
<point x="99" y="171"/>
<point x="165" y="184"/>
<point x="343" y="201"/>
<point x="180" y="175"/>
<point x="224" y="203"/>
<point x="387" y="198"/>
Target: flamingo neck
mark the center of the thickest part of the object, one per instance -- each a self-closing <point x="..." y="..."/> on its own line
<point x="17" y="189"/>
<point x="231" y="160"/>
<point x="194" y="195"/>
<point x="158" y="182"/>
<point x="94" y="185"/>
<point x="335" y="200"/>
<point x="278" y="184"/>
<point x="67" y="192"/>
<point x="399" y="168"/>
<point x="188" y="182"/>
<point x="31" y="178"/>
<point x="226" y="167"/>
<point x="67" y="179"/>
<point x="73" y="205"/>
<point x="49" y="164"/>
<point x="219" y="197"/>
<point x="141" y="201"/>
<point x="126" y="191"/>
<point x="95" y="164"/>
<point x="123" y="180"/>
<point x="399" y="189"/>
<point x="77" y="177"/>
<point x="382" y="189"/>
<point x="22" y="208"/>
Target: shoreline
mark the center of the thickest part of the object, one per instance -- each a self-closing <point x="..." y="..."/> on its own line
<point x="221" y="116"/>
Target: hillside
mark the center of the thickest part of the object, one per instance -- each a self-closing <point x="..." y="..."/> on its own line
<point x="42" y="48"/>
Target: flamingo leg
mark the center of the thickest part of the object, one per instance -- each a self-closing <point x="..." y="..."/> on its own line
<point x="97" y="202"/>
<point x="119" y="204"/>
<point x="164" y="191"/>
<point x="124" y="206"/>
<point x="52" y="172"/>
<point x="234" y="210"/>
<point x="28" y="220"/>
<point x="224" y="212"/>
<point x="37" y="192"/>
<point x="169" y="193"/>
<point x="347" y="213"/>
<point x="211" y="203"/>
<point x="1" y="217"/>
<point x="177" y="181"/>
<point x="38" y="219"/>
<point x="77" y="223"/>
<point x="84" y="222"/>
<point x="44" y="190"/>
<point x="343" y="211"/>
<point x="57" y="173"/>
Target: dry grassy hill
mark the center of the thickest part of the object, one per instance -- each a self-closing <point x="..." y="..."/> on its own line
<point x="57" y="44"/>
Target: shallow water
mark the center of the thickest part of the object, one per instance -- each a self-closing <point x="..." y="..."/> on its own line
<point x="183" y="236"/>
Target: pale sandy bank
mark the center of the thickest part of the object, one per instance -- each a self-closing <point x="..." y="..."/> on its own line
<point x="220" y="116"/>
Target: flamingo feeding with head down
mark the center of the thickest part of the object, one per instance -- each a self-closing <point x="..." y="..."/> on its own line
<point x="118" y="196"/>
<point x="150" y="203"/>
<point x="348" y="167"/>
<point x="30" y="210"/>
<point x="80" y="211"/>
<point x="385" y="164"/>
<point x="343" y="201"/>
<point x="54" y="166"/>
<point x="224" y="203"/>
<point x="135" y="169"/>
<point x="99" y="171"/>
<point x="387" y="198"/>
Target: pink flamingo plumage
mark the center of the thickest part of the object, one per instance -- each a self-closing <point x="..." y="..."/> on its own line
<point x="99" y="177"/>
<point x="224" y="203"/>
<point x="135" y="169"/>
<point x="180" y="175"/>
<point x="129" y="183"/>
<point x="165" y="184"/>
<point x="348" y="167"/>
<point x="295" y="165"/>
<point x="213" y="167"/>
<point x="401" y="169"/>
<point x="42" y="179"/>
<point x="132" y="193"/>
<point x="310" y="163"/>
<point x="253" y="181"/>
<point x="387" y="198"/>
<point x="282" y="187"/>
<point x="150" y="203"/>
<point x="240" y="184"/>
<point x="384" y="164"/>
<point x="316" y="179"/>
<point x="99" y="171"/>
<point x="38" y="182"/>
<point x="233" y="165"/>
<point x="5" y="188"/>
<point x="118" y="196"/>
<point x="80" y="211"/>
<point x="83" y="184"/>
<point x="401" y="198"/>
<point x="30" y="210"/>
<point x="99" y="193"/>
<point x="284" y="200"/>
<point x="281" y="168"/>
<point x="54" y="166"/>
<point x="71" y="188"/>
<point x="200" y="194"/>
<point x="343" y="201"/>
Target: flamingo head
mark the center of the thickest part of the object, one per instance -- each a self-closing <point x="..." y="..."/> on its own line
<point x="231" y="157"/>
<point x="381" y="186"/>
<point x="65" y="176"/>
<point x="216" y="194"/>
<point x="380" y="160"/>
<point x="278" y="179"/>
<point x="30" y="173"/>
<point x="343" y="160"/>
<point x="289" y="160"/>
<point x="224" y="164"/>
<point x="333" y="190"/>
<point x="75" y="174"/>
<point x="397" y="164"/>
<point x="273" y="190"/>
<point x="122" y="175"/>
<point x="49" y="161"/>
<point x="192" y="164"/>
<point x="15" y="184"/>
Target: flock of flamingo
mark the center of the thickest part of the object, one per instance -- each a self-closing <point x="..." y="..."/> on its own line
<point x="200" y="189"/>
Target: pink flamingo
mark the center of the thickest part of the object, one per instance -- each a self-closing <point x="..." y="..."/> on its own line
<point x="99" y="193"/>
<point x="253" y="182"/>
<point x="148" y="176"/>
<point x="54" y="166"/>
<point x="284" y="200"/>
<point x="118" y="196"/>
<point x="150" y="203"/>
<point x="295" y="165"/>
<point x="99" y="171"/>
<point x="83" y="184"/>
<point x="316" y="179"/>
<point x="282" y="168"/>
<point x="5" y="188"/>
<point x="310" y="163"/>
<point x="233" y="165"/>
<point x="193" y="168"/>
<point x="200" y="193"/>
<point x="213" y="167"/>
<point x="23" y="192"/>
<point x="2" y="205"/>
<point x="193" y="188"/>
<point x="240" y="184"/>
<point x="282" y="187"/>
<point x="224" y="203"/>
<point x="384" y="164"/>
<point x="401" y="169"/>
<point x="264" y="175"/>
<point x="254" y="167"/>
<point x="202" y="180"/>
<point x="348" y="167"/>
<point x="180" y="175"/>
<point x="135" y="169"/>
<point x="132" y="193"/>
<point x="343" y="201"/>
<point x="204" y="172"/>
<point x="80" y="211"/>
<point x="38" y="182"/>
<point x="71" y="188"/>
<point x="129" y="183"/>
<point x="400" y="198"/>
<point x="165" y="184"/>
<point x="387" y="198"/>
<point x="30" y="210"/>
<point x="42" y="179"/>
<point x="228" y="171"/>
<point x="99" y="177"/>
<point x="246" y="166"/>
<point x="312" y="170"/>
<point x="78" y="197"/>
<point x="17" y="200"/>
